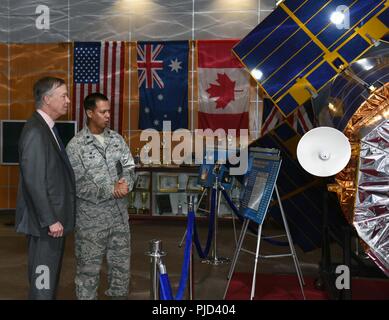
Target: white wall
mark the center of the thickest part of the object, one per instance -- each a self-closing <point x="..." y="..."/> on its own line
<point x="89" y="20"/>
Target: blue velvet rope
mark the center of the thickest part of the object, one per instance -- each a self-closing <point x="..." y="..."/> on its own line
<point x="203" y="254"/>
<point x="165" y="287"/>
<point x="165" y="290"/>
<point x="253" y="230"/>
<point x="185" y="265"/>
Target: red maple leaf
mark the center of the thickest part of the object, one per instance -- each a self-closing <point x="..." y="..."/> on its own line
<point x="224" y="90"/>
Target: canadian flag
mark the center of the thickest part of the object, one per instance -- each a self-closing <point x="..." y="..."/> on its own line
<point x="223" y="87"/>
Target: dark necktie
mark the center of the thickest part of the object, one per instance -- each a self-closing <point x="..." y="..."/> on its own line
<point x="55" y="130"/>
<point x="62" y="147"/>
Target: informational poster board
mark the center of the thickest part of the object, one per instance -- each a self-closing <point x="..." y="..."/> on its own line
<point x="259" y="182"/>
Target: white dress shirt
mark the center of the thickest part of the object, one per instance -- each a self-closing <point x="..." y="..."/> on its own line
<point x="50" y="122"/>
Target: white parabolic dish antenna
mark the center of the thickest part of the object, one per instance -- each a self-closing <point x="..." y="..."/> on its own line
<point x="323" y="151"/>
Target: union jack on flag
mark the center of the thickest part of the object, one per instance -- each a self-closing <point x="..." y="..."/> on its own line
<point x="148" y="65"/>
<point x="302" y="120"/>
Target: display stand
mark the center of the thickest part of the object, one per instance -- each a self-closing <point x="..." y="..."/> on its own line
<point x="239" y="248"/>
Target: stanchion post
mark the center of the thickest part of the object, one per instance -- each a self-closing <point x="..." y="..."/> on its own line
<point x="214" y="259"/>
<point x="190" y="278"/>
<point x="155" y="253"/>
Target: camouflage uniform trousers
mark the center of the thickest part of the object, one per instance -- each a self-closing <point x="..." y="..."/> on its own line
<point x="91" y="245"/>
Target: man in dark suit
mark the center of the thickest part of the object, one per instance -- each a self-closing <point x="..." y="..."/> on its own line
<point x="45" y="209"/>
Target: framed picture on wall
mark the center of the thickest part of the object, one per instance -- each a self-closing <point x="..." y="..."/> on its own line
<point x="164" y="204"/>
<point x="168" y="183"/>
<point x="192" y="184"/>
<point x="143" y="182"/>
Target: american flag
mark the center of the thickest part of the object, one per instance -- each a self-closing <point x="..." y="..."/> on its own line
<point x="148" y="65"/>
<point x="302" y="120"/>
<point x="99" y="67"/>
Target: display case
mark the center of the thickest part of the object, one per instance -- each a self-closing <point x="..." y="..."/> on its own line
<point x="165" y="191"/>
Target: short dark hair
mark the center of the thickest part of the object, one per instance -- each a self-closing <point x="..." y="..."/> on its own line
<point x="91" y="100"/>
<point x="43" y="86"/>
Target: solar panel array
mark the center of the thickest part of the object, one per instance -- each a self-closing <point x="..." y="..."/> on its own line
<point x="297" y="49"/>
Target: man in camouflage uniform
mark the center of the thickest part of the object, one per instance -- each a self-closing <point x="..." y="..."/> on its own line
<point x="104" y="171"/>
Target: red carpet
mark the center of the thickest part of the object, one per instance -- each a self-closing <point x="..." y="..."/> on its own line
<point x="286" y="287"/>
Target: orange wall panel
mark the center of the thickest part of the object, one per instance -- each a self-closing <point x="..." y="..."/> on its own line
<point x="134" y="95"/>
<point x="134" y="117"/>
<point x="13" y="175"/>
<point x="3" y="111"/>
<point x="28" y="63"/>
<point x="12" y="197"/>
<point x="134" y="72"/>
<point x="134" y="141"/>
<point x="21" y="111"/>
<point x="3" y="175"/>
<point x="127" y="93"/>
<point x="3" y="74"/>
<point x="4" y="197"/>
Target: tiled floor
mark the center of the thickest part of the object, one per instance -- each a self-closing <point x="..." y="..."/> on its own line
<point x="209" y="280"/>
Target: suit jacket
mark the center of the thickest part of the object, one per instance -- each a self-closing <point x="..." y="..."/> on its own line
<point x="46" y="191"/>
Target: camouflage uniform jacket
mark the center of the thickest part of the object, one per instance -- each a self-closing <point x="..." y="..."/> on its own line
<point x="97" y="168"/>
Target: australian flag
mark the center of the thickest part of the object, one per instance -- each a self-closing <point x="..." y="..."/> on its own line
<point x="163" y="84"/>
